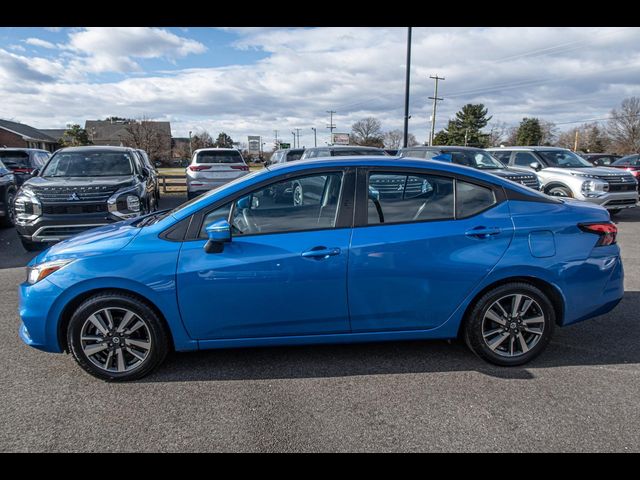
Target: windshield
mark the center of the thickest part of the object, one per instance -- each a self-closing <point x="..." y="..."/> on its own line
<point x="293" y="156"/>
<point x="2" y="165"/>
<point x="14" y="159"/>
<point x="479" y="160"/>
<point x="89" y="164"/>
<point x="223" y="156"/>
<point x="563" y="159"/>
<point x="358" y="151"/>
<point x="628" y="160"/>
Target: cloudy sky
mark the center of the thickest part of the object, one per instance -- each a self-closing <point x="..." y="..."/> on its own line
<point x="252" y="81"/>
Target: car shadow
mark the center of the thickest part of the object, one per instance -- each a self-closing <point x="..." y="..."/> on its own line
<point x="629" y="215"/>
<point x="607" y="340"/>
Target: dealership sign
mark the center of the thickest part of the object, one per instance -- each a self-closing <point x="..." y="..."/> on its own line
<point x="340" y="139"/>
<point x="254" y="144"/>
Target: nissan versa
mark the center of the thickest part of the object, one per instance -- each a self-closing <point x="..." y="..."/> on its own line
<point x="467" y="254"/>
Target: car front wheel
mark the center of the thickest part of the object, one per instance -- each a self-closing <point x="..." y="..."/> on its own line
<point x="117" y="337"/>
<point x="510" y="325"/>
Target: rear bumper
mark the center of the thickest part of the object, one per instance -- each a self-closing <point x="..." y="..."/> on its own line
<point x="206" y="184"/>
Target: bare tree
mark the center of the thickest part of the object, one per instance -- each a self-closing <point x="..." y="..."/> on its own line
<point x="498" y="134"/>
<point x="591" y="138"/>
<point x="548" y="132"/>
<point x="202" y="139"/>
<point x="145" y="135"/>
<point x="368" y="131"/>
<point x="393" y="138"/>
<point x="624" y="126"/>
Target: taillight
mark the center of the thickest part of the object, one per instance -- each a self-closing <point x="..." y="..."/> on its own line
<point x="23" y="170"/>
<point x="197" y="168"/>
<point x="606" y="230"/>
<point x="244" y="168"/>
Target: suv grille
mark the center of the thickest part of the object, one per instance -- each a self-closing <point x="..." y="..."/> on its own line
<point x="530" y="181"/>
<point x="74" y="194"/>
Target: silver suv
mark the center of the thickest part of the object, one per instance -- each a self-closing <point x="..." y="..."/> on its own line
<point x="213" y="167"/>
<point x="562" y="173"/>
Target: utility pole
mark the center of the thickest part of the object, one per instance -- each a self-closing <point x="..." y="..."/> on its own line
<point x="406" y="90"/>
<point x="435" y="99"/>
<point x="331" y="126"/>
<point x="294" y="138"/>
<point x="190" y="147"/>
<point x="298" y="135"/>
<point x="466" y="136"/>
<point x="315" y="136"/>
<point x="575" y="144"/>
<point x="277" y="145"/>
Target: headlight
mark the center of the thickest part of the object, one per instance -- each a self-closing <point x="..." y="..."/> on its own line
<point x="124" y="203"/>
<point x="594" y="187"/>
<point x="27" y="206"/>
<point x="43" y="270"/>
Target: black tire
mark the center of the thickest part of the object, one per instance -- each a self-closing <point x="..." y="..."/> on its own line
<point x="559" y="191"/>
<point x="473" y="324"/>
<point x="159" y="336"/>
<point x="30" y="246"/>
<point x="9" y="218"/>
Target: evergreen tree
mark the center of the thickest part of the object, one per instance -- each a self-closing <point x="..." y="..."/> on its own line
<point x="466" y="128"/>
<point x="529" y="132"/>
<point x="75" y="136"/>
<point x="224" y="141"/>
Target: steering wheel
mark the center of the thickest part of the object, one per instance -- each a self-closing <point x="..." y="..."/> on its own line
<point x="244" y="223"/>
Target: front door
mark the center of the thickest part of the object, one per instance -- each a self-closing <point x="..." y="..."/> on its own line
<point x="418" y="250"/>
<point x="284" y="271"/>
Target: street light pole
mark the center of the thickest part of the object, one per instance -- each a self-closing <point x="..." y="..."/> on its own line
<point x="190" y="147"/>
<point x="406" y="90"/>
<point x="315" y="137"/>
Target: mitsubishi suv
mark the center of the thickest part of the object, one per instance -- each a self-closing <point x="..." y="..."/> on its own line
<point x="562" y="173"/>
<point x="81" y="188"/>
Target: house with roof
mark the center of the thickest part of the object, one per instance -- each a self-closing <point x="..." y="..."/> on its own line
<point x="18" y="135"/>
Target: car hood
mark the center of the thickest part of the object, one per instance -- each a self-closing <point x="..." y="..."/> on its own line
<point x="509" y="172"/>
<point x="106" y="239"/>
<point x="596" y="171"/>
<point x="77" y="182"/>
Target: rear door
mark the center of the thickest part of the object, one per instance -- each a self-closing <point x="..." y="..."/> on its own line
<point x="418" y="249"/>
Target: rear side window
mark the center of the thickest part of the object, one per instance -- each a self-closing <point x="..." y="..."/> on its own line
<point x="395" y="198"/>
<point x="15" y="159"/>
<point x="224" y="156"/>
<point x="472" y="199"/>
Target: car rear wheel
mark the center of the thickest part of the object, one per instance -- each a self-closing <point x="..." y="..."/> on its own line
<point x="117" y="337"/>
<point x="9" y="219"/>
<point x="510" y="325"/>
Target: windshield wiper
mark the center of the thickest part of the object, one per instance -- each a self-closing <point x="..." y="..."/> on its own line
<point x="149" y="219"/>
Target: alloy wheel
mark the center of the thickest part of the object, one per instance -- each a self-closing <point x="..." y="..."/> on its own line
<point x="513" y="325"/>
<point x="115" y="340"/>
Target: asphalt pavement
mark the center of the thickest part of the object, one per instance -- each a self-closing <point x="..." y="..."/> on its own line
<point x="582" y="394"/>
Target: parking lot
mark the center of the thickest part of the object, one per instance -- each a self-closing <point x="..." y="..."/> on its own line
<point x="581" y="394"/>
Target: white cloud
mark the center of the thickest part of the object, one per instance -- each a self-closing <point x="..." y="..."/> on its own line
<point x="558" y="74"/>
<point x="38" y="42"/>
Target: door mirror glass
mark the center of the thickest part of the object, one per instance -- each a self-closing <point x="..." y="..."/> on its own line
<point x="219" y="233"/>
<point x="536" y="166"/>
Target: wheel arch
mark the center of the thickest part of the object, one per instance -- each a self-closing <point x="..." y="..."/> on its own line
<point x="556" y="183"/>
<point x="547" y="288"/>
<point x="75" y="302"/>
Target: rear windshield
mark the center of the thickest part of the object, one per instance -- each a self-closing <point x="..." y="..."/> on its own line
<point x="357" y="151"/>
<point x="89" y="164"/>
<point x="224" y="156"/>
<point x="16" y="159"/>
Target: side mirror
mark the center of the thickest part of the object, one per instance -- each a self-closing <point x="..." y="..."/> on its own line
<point x="35" y="172"/>
<point x="374" y="194"/>
<point x="219" y="233"/>
<point x="536" y="166"/>
<point x="145" y="172"/>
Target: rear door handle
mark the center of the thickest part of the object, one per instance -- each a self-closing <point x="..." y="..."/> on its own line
<point x="483" y="232"/>
<point x="321" y="253"/>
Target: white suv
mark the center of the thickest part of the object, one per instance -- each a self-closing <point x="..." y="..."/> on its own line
<point x="213" y="167"/>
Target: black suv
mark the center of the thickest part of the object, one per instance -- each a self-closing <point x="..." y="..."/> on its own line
<point x="8" y="188"/>
<point x="475" y="158"/>
<point x="23" y="161"/>
<point x="80" y="188"/>
<point x="341" y="151"/>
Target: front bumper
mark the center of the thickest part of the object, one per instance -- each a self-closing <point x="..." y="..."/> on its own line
<point x="37" y="308"/>
<point x="614" y="200"/>
<point x="53" y="228"/>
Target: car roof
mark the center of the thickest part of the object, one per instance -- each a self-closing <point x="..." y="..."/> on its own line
<point x="427" y="148"/>
<point x="216" y="149"/>
<point x="527" y="148"/>
<point x="20" y="149"/>
<point x="350" y="147"/>
<point x="96" y="148"/>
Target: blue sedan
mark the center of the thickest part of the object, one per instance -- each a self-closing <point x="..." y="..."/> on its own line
<point x="365" y="249"/>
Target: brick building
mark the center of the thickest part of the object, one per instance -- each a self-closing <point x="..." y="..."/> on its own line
<point x="19" y="135"/>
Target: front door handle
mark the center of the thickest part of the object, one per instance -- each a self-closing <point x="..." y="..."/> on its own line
<point x="321" y="253"/>
<point x="483" y="232"/>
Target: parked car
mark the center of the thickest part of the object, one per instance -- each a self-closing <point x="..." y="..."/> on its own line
<point x="23" y="161"/>
<point x="562" y="173"/>
<point x="213" y="167"/>
<point x="285" y="155"/>
<point x="473" y="255"/>
<point x="630" y="163"/>
<point x="81" y="188"/>
<point x="474" y="158"/>
<point x="341" y="151"/>
<point x="600" y="159"/>
<point x="8" y="189"/>
<point x="153" y="177"/>
<point x="394" y="152"/>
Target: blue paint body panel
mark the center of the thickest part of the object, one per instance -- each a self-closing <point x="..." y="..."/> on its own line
<point x="388" y="282"/>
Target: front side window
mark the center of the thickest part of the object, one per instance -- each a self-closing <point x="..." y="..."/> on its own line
<point x="303" y="203"/>
<point x="89" y="164"/>
<point x="524" y="159"/>
<point x="395" y="198"/>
